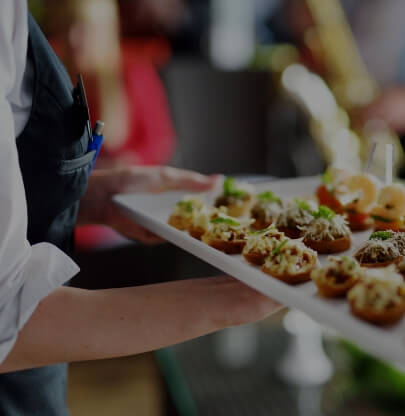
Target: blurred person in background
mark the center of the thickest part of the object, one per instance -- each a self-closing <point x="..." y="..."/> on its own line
<point x="122" y="82"/>
<point x="380" y="32"/>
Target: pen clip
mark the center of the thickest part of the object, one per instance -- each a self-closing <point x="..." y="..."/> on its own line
<point x="79" y="95"/>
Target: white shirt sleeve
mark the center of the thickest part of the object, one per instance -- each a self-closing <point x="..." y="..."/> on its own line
<point x="27" y="273"/>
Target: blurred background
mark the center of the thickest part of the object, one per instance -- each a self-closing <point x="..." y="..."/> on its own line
<point x="254" y="88"/>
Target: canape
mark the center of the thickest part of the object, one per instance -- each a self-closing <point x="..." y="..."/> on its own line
<point x="380" y="250"/>
<point x="266" y="209"/>
<point x="327" y="191"/>
<point x="201" y="221"/>
<point x="291" y="262"/>
<point x="182" y="215"/>
<point x="327" y="233"/>
<point x="260" y="244"/>
<point x="295" y="215"/>
<point x="236" y="197"/>
<point x="337" y="277"/>
<point x="358" y="194"/>
<point x="227" y="234"/>
<point x="389" y="212"/>
<point x="379" y="298"/>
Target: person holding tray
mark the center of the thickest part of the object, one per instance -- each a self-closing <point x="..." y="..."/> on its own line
<point x="45" y="165"/>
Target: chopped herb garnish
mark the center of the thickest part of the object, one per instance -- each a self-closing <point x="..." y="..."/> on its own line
<point x="350" y="261"/>
<point x="324" y="212"/>
<point x="264" y="231"/>
<point x="269" y="196"/>
<point x="278" y="249"/>
<point x="304" y="205"/>
<point x="186" y="205"/>
<point x="326" y="178"/>
<point x="380" y="219"/>
<point x="231" y="190"/>
<point x="381" y="235"/>
<point x="223" y="220"/>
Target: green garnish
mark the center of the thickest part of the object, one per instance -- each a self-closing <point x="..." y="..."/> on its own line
<point x="381" y="235"/>
<point x="264" y="231"/>
<point x="350" y="261"/>
<point x="186" y="205"/>
<point x="278" y="249"/>
<point x="324" y="212"/>
<point x="270" y="197"/>
<point x="381" y="219"/>
<point x="222" y="220"/>
<point x="231" y="190"/>
<point x="326" y="178"/>
<point x="304" y="205"/>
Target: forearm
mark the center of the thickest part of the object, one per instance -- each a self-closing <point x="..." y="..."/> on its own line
<point x="74" y="324"/>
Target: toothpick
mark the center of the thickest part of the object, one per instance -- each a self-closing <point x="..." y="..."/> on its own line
<point x="389" y="157"/>
<point x="370" y="156"/>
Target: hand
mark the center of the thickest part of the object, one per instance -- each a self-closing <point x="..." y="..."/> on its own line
<point x="388" y="107"/>
<point x="97" y="207"/>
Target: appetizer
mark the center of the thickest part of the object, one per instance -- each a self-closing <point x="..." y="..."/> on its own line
<point x="290" y="261"/>
<point x="201" y="221"/>
<point x="295" y="215"/>
<point x="327" y="233"/>
<point x="260" y="244"/>
<point x="379" y="297"/>
<point x="390" y="209"/>
<point x="337" y="277"/>
<point x="381" y="250"/>
<point x="358" y="193"/>
<point x="227" y="234"/>
<point x="266" y="209"/>
<point x="182" y="216"/>
<point x="236" y="197"/>
<point x="327" y="191"/>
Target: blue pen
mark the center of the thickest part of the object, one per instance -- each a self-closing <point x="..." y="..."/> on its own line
<point x="98" y="138"/>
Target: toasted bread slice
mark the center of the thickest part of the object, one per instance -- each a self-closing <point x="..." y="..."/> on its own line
<point x="228" y="247"/>
<point x="196" y="232"/>
<point x="287" y="278"/>
<point x="385" y="317"/>
<point x="255" y="257"/>
<point x="261" y="224"/>
<point x="329" y="246"/>
<point x="291" y="232"/>
<point x="333" y="290"/>
<point x="361" y="226"/>
<point x="180" y="222"/>
<point x="241" y="209"/>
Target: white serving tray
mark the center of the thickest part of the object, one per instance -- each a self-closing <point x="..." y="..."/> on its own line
<point x="153" y="210"/>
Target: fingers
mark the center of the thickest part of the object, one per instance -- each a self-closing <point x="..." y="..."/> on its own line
<point x="172" y="179"/>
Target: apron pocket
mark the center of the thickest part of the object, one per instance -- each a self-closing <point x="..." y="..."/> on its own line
<point x="72" y="165"/>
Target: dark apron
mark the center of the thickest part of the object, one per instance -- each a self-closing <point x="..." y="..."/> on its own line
<point x="55" y="166"/>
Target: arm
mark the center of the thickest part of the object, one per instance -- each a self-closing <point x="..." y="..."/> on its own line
<point x="74" y="324"/>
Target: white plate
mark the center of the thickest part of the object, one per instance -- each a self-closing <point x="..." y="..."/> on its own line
<point x="153" y="210"/>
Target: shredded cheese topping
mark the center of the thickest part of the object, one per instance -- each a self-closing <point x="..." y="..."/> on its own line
<point x="293" y="215"/>
<point x="294" y="258"/>
<point x="228" y="232"/>
<point x="338" y="271"/>
<point x="380" y="289"/>
<point x="187" y="207"/>
<point x="263" y="243"/>
<point x="203" y="217"/>
<point x="377" y="251"/>
<point x="267" y="211"/>
<point x="322" y="229"/>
